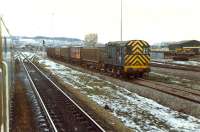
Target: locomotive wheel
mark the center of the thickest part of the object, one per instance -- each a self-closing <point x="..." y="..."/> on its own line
<point x="140" y="75"/>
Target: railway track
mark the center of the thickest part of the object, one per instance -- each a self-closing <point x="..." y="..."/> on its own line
<point x="62" y="113"/>
<point x="175" y="66"/>
<point x="185" y="93"/>
<point x="178" y="91"/>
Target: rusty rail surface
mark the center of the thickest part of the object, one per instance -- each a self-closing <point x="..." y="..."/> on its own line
<point x="185" y="93"/>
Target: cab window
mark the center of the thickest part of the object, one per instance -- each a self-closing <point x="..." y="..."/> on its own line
<point x="146" y="51"/>
<point x="129" y="50"/>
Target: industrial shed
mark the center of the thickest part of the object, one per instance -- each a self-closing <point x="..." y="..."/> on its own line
<point x="181" y="44"/>
<point x="161" y="54"/>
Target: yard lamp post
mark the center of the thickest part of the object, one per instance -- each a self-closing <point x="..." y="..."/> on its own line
<point x="121" y="22"/>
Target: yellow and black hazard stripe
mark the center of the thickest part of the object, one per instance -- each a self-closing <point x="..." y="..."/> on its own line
<point x="140" y="60"/>
<point x="137" y="58"/>
<point x="137" y="46"/>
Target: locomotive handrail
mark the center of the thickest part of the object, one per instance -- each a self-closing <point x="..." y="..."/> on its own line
<point x="4" y="117"/>
<point x="5" y="101"/>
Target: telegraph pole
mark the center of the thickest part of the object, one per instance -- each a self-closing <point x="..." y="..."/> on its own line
<point x="53" y="27"/>
<point x="121" y="23"/>
<point x="1" y="85"/>
<point x="1" y="58"/>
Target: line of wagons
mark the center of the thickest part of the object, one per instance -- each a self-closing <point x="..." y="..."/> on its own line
<point x="118" y="58"/>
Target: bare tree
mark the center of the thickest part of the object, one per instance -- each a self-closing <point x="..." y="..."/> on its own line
<point x="91" y="39"/>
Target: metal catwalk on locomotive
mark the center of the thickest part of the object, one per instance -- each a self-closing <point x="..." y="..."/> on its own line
<point x="129" y="57"/>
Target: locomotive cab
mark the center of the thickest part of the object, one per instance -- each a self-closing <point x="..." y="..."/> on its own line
<point x="137" y="57"/>
<point x="129" y="57"/>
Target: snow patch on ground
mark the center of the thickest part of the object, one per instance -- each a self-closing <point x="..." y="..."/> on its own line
<point x="194" y="63"/>
<point x="136" y="112"/>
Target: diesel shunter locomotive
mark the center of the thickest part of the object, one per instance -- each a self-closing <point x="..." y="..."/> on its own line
<point x="129" y="57"/>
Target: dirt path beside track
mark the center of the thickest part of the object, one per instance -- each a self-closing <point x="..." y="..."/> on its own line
<point x="23" y="120"/>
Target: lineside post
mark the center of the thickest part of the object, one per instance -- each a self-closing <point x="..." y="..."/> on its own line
<point x="1" y="58"/>
<point x="1" y="82"/>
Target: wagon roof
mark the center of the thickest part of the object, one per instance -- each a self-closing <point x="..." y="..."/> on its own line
<point x="119" y="43"/>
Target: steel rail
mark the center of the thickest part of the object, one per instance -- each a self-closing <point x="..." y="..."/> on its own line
<point x="74" y="103"/>
<point x="175" y="66"/>
<point x="90" y="118"/>
<point x="40" y="100"/>
<point x="183" y="92"/>
<point x="195" y="92"/>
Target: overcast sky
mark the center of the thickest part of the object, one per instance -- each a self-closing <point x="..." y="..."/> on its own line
<point x="151" y="20"/>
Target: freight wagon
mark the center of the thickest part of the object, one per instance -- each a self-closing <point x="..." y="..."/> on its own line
<point x="57" y="53"/>
<point x="93" y="57"/>
<point x="65" y="54"/>
<point x="51" y="52"/>
<point x="75" y="54"/>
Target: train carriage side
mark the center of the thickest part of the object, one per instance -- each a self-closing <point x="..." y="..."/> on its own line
<point x="51" y="52"/>
<point x="75" y="55"/>
<point x="65" y="54"/>
<point x="48" y="52"/>
<point x="92" y="57"/>
<point x="57" y="53"/>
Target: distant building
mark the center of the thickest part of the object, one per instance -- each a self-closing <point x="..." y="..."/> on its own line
<point x="181" y="44"/>
<point x="160" y="49"/>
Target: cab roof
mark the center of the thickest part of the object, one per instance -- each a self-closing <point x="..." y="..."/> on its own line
<point x="122" y="43"/>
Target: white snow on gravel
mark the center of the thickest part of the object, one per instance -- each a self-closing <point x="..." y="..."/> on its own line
<point x="123" y="104"/>
<point x="194" y="63"/>
<point x="161" y="61"/>
<point x="136" y="112"/>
